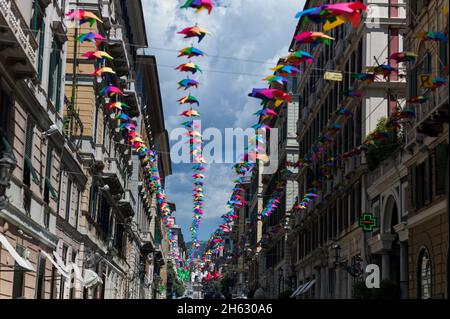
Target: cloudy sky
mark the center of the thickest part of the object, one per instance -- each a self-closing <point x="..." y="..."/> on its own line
<point x="247" y="38"/>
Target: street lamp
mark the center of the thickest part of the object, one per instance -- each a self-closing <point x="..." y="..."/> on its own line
<point x="337" y="255"/>
<point x="7" y="165"/>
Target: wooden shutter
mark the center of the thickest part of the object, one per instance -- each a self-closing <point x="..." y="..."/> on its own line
<point x="41" y="50"/>
<point x="51" y="76"/>
<point x="58" y="85"/>
<point x="441" y="168"/>
<point x="411" y="189"/>
<point x="427" y="181"/>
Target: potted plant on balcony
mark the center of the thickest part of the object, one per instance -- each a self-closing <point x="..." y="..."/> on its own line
<point x="383" y="141"/>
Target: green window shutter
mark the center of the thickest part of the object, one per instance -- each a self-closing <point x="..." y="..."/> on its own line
<point x="441" y="168"/>
<point x="34" y="18"/>
<point x="427" y="187"/>
<point x="58" y="85"/>
<point x="443" y="57"/>
<point x="413" y="187"/>
<point x="48" y="165"/>
<point x="41" y="51"/>
<point x="30" y="167"/>
<point x="51" y="189"/>
<point x="157" y="235"/>
<point x="51" y="77"/>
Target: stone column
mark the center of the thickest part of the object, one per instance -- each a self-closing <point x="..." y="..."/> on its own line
<point x="404" y="270"/>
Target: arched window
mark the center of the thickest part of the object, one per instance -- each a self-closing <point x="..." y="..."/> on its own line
<point x="424" y="275"/>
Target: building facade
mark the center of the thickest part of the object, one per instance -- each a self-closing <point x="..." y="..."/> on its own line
<point x="326" y="240"/>
<point x="78" y="222"/>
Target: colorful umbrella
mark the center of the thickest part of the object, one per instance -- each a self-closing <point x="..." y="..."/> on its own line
<point x="99" y="72"/>
<point x="403" y="57"/>
<point x="187" y="83"/>
<point x="189" y="67"/>
<point x="313" y="38"/>
<point x="298" y="57"/>
<point x="199" y="5"/>
<point x="82" y="17"/>
<point x="91" y="36"/>
<point x="92" y="55"/>
<point x="190" y="52"/>
<point x="190" y="99"/>
<point x="195" y="31"/>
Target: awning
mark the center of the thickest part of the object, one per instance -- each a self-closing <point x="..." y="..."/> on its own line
<point x="61" y="262"/>
<point x="303" y="288"/>
<point x="91" y="278"/>
<point x="57" y="266"/>
<point x="295" y="293"/>
<point x="78" y="273"/>
<point x="308" y="286"/>
<point x="19" y="259"/>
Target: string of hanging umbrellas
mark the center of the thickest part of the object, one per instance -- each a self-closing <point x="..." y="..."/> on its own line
<point x="127" y="126"/>
<point x="192" y="128"/>
<point x="331" y="15"/>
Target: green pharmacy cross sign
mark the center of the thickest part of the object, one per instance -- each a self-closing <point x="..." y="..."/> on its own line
<point x="368" y="222"/>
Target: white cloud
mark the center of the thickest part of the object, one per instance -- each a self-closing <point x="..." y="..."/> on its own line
<point x="257" y="30"/>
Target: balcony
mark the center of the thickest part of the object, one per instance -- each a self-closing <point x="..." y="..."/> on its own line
<point x="430" y="117"/>
<point x="126" y="204"/>
<point x="148" y="243"/>
<point x="131" y="100"/>
<point x="18" y="47"/>
<point x="118" y="51"/>
<point x="113" y="176"/>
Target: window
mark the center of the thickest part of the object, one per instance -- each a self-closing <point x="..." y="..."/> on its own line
<point x="55" y="76"/>
<point x="62" y="278"/>
<point x="53" y="283"/>
<point x="28" y="170"/>
<point x="5" y="121"/>
<point x="443" y="57"/>
<point x="93" y="199"/>
<point x="73" y="278"/>
<point x="48" y="188"/>
<point x="424" y="275"/>
<point x="40" y="281"/>
<point x="422" y="182"/>
<point x="77" y="211"/>
<point x="68" y="199"/>
<point x="38" y="30"/>
<point x="441" y="168"/>
<point x="19" y="276"/>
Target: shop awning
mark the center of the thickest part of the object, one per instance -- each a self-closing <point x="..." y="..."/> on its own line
<point x="299" y="288"/>
<point x="91" y="278"/>
<point x="307" y="287"/>
<point x="78" y="273"/>
<point x="303" y="288"/>
<point x="22" y="262"/>
<point x="60" y="262"/>
<point x="57" y="266"/>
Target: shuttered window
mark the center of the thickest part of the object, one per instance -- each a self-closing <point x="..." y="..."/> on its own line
<point x="427" y="181"/>
<point x="29" y="170"/>
<point x="55" y="76"/>
<point x="443" y="57"/>
<point x="68" y="199"/>
<point x="40" y="280"/>
<point x="441" y="168"/>
<point x="5" y="121"/>
<point x="420" y="172"/>
<point x="412" y="188"/>
<point x="49" y="190"/>
<point x="38" y="30"/>
<point x="93" y="199"/>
